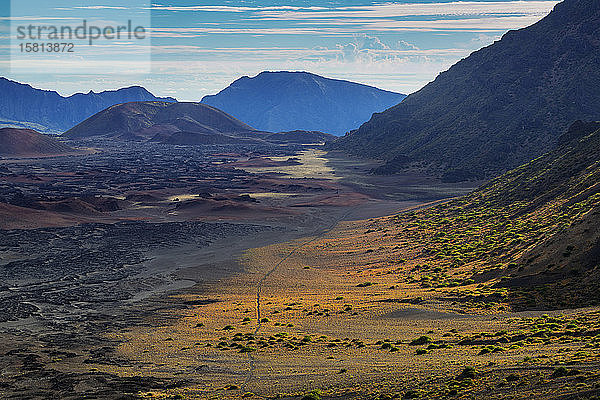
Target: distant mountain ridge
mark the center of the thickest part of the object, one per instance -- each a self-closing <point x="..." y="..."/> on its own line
<point x="501" y="106"/>
<point x="287" y="101"/>
<point x="24" y="106"/>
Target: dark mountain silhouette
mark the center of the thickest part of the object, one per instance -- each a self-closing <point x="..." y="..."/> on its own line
<point x="179" y="123"/>
<point x="24" y="106"/>
<point x="27" y="142"/>
<point x="287" y="101"/>
<point x="501" y="106"/>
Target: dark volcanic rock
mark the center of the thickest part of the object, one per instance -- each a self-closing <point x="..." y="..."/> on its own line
<point x="577" y="131"/>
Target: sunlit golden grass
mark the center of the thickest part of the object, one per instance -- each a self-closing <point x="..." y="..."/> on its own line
<point x="312" y="164"/>
<point x="339" y="315"/>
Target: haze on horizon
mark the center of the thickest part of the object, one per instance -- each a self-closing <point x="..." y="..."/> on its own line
<point x="199" y="47"/>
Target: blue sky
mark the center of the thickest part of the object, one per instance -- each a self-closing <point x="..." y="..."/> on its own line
<point x="200" y="46"/>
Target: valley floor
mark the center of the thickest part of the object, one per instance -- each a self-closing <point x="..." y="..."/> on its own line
<point x="313" y="294"/>
<point x="335" y="320"/>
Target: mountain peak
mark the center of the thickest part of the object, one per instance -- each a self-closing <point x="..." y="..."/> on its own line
<point x="135" y="88"/>
<point x="298" y="100"/>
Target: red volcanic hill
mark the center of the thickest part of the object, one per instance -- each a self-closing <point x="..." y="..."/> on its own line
<point x="181" y="124"/>
<point x="144" y="120"/>
<point x="27" y="142"/>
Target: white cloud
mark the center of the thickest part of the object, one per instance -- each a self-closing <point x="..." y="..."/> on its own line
<point x="336" y="29"/>
<point x="391" y="10"/>
<point x="404" y="45"/>
<point x="370" y="42"/>
<point x="382" y="10"/>
<point x="362" y="46"/>
<point x="99" y="8"/>
<point x="35" y="18"/>
<point x="483" y="39"/>
<point x="231" y="9"/>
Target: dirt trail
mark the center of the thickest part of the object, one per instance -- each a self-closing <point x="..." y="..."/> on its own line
<point x="262" y="281"/>
<point x="293" y="251"/>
